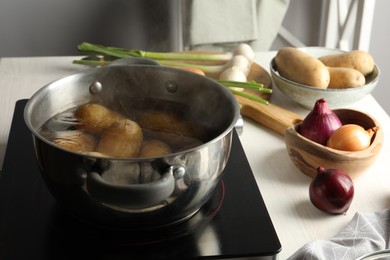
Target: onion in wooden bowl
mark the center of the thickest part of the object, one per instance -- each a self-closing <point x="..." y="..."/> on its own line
<point x="308" y="155"/>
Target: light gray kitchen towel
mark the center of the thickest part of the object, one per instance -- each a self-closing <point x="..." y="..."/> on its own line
<point x="220" y="24"/>
<point x="365" y="233"/>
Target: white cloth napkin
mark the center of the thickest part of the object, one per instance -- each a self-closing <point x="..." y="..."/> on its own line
<point x="220" y="24"/>
<point x="365" y="233"/>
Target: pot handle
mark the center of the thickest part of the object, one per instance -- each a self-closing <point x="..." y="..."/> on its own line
<point x="133" y="61"/>
<point x="133" y="195"/>
<point x="239" y="126"/>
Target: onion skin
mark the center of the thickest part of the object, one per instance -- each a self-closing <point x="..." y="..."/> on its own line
<point x="331" y="191"/>
<point x="320" y="123"/>
<point x="351" y="137"/>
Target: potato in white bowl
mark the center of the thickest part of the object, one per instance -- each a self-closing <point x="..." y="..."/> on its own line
<point x="306" y="95"/>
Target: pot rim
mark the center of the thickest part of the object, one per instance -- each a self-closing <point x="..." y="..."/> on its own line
<point x="30" y="103"/>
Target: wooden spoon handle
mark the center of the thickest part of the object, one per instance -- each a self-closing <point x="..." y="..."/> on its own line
<point x="271" y="116"/>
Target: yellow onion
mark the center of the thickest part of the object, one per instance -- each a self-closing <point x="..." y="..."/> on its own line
<point x="351" y="137"/>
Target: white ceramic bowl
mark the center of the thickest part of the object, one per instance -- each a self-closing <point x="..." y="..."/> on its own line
<point x="306" y="96"/>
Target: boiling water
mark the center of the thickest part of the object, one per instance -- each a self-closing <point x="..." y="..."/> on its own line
<point x="69" y="132"/>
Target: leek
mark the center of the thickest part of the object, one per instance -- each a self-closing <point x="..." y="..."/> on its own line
<point x="92" y="62"/>
<point x="104" y="55"/>
<point x="211" y="69"/>
<point x="247" y="85"/>
<point x="122" y="53"/>
<point x="249" y="96"/>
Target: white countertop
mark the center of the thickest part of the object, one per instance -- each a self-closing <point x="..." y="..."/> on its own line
<point x="284" y="188"/>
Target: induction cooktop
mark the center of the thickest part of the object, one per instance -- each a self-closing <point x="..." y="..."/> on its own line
<point x="234" y="224"/>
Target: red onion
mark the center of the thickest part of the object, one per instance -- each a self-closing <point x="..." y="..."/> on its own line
<point x="320" y="123"/>
<point x="331" y="191"/>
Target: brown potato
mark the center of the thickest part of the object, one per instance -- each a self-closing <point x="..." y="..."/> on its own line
<point x="76" y="141"/>
<point x="295" y="65"/>
<point x="123" y="139"/>
<point x="356" y="59"/>
<point x="94" y="117"/>
<point x="175" y="141"/>
<point x="154" y="148"/>
<point x="168" y="122"/>
<point x="342" y="77"/>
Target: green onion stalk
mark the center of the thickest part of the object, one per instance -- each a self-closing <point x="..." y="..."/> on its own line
<point x="122" y="53"/>
<point x="100" y="55"/>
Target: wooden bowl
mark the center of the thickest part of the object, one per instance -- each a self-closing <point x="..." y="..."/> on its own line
<point x="308" y="155"/>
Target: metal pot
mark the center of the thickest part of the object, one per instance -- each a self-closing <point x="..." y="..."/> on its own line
<point x="164" y="190"/>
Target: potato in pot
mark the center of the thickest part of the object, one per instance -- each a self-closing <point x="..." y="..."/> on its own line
<point x="123" y="139"/>
<point x="94" y="117"/>
<point x="168" y="122"/>
<point x="154" y="148"/>
<point x="77" y="141"/>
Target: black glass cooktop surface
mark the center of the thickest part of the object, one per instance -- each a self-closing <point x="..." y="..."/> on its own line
<point x="233" y="224"/>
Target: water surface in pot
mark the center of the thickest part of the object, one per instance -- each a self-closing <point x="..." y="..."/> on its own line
<point x="97" y="130"/>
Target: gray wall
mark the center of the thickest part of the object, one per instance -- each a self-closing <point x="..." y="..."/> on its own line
<point x="55" y="27"/>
